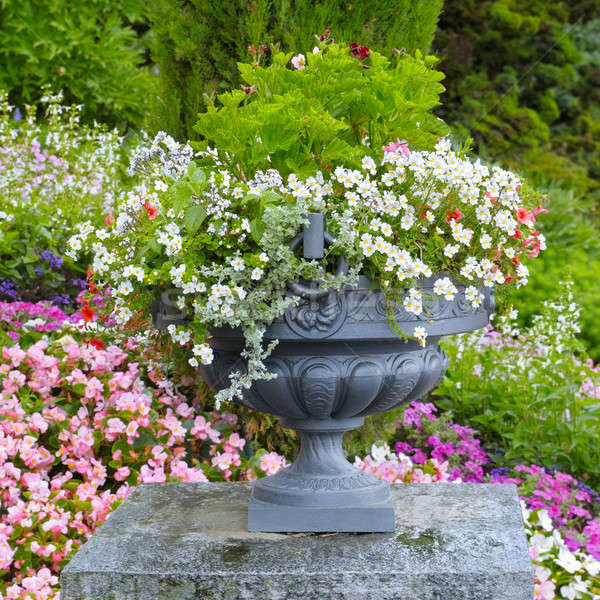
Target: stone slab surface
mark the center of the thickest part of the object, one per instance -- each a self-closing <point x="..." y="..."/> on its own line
<point x="189" y="541"/>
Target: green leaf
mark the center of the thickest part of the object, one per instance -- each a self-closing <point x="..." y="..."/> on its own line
<point x="198" y="177"/>
<point x="193" y="218"/>
<point x="270" y="197"/>
<point x="257" y="229"/>
<point x="183" y="193"/>
<point x="192" y="166"/>
<point x="145" y="439"/>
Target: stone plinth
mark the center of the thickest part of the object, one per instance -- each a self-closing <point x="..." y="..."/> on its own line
<point x="189" y="541"/>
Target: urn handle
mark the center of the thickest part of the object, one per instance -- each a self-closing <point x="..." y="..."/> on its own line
<point x="314" y="239"/>
<point x="165" y="312"/>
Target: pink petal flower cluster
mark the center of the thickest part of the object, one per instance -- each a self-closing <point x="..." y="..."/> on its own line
<point x="401" y="469"/>
<point x="423" y="436"/>
<point x="79" y="428"/>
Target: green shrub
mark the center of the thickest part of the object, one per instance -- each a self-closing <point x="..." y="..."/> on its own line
<point x="574" y="252"/>
<point x="522" y="80"/>
<point x="197" y="43"/>
<point x="87" y="49"/>
<point x="333" y="111"/>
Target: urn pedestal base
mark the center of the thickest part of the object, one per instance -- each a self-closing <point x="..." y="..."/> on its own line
<point x="373" y="518"/>
<point x="321" y="491"/>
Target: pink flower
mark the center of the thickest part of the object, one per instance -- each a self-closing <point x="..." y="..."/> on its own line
<point x="115" y="426"/>
<point x="271" y="463"/>
<point x="234" y="441"/>
<point x="6" y="555"/>
<point x="523" y="215"/>
<point x="299" y="61"/>
<point x="131" y="429"/>
<point x="122" y="473"/>
<point x="398" y="145"/>
<point x="544" y="588"/>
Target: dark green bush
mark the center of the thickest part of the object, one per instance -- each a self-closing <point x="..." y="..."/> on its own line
<point x="197" y="43"/>
<point x="522" y="79"/>
<point x="87" y="49"/>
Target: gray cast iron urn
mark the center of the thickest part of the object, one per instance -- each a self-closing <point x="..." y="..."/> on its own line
<point x="338" y="360"/>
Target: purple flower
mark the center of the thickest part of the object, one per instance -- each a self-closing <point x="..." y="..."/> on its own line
<point x="8" y="288"/>
<point x="17" y="114"/>
<point x="79" y="283"/>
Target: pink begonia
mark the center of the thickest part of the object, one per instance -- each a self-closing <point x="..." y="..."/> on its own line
<point x="272" y="463"/>
<point x="185" y="411"/>
<point x="234" y="441"/>
<point x="131" y="430"/>
<point x="115" y="426"/>
<point x="148" y="475"/>
<point x="200" y="428"/>
<point x="122" y="473"/>
<point x="6" y="553"/>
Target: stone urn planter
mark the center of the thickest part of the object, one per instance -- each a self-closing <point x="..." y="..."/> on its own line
<point x="337" y="361"/>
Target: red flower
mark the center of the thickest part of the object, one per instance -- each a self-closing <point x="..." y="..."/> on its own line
<point x="453" y="215"/>
<point x="523" y="215"/>
<point x="536" y="211"/>
<point x="360" y="52"/>
<point x="109" y="219"/>
<point x="97" y="343"/>
<point x="517" y="235"/>
<point x="87" y="312"/>
<point x="535" y="250"/>
<point x="152" y="212"/>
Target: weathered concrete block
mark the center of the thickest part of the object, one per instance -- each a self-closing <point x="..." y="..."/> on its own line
<point x="189" y="541"/>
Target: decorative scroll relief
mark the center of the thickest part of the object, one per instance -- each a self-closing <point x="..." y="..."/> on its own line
<point x="317" y="319"/>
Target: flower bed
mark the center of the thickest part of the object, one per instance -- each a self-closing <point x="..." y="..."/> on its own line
<point x="533" y="393"/>
<point x="54" y="172"/>
<point x="79" y="427"/>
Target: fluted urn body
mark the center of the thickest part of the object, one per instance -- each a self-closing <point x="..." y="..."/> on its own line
<point x="338" y="359"/>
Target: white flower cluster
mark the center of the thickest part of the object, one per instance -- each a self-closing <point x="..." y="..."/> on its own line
<point x="548" y="546"/>
<point x="165" y="156"/>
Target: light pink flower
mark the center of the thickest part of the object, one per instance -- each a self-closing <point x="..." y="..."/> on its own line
<point x="299" y="61"/>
